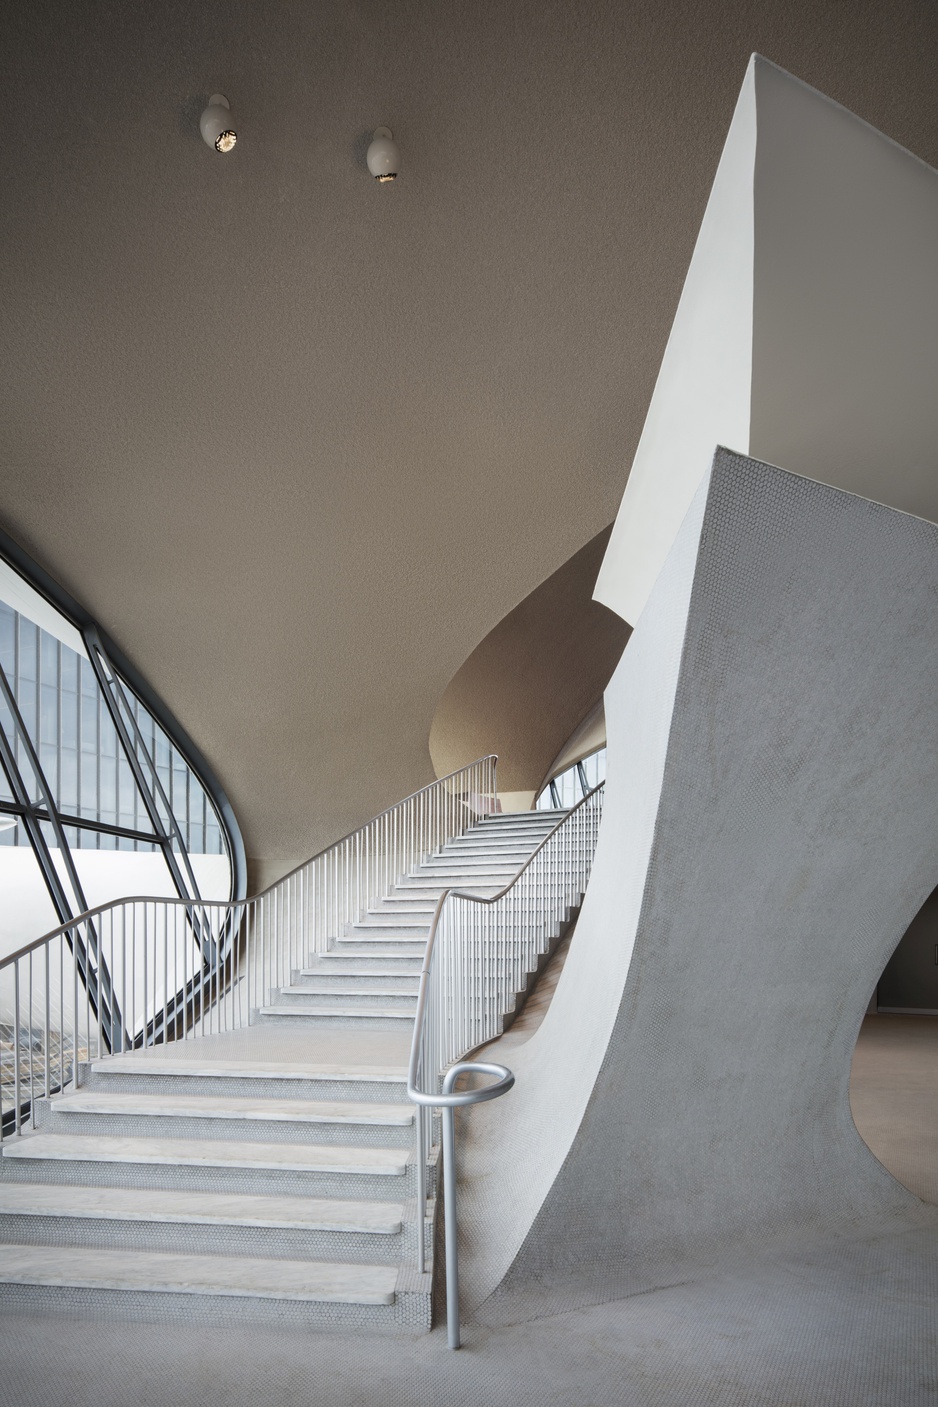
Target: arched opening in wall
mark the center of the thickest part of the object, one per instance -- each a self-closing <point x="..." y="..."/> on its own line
<point x="895" y="1063"/>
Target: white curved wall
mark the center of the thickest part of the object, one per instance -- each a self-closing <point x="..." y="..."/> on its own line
<point x="763" y="850"/>
<point x="807" y="331"/>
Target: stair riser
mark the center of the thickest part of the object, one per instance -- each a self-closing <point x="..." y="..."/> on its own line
<point x="368" y="1091"/>
<point x="378" y="950"/>
<point x="365" y="1022"/>
<point x="390" y="928"/>
<point x="365" y="1001"/>
<point x="228" y="1130"/>
<point x="410" y="1313"/>
<point x="274" y="1243"/>
<point x="404" y="977"/>
<point x="167" y="1176"/>
<point x="322" y="984"/>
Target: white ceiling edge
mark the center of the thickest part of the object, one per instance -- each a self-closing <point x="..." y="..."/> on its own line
<point x="702" y="395"/>
<point x="18" y="594"/>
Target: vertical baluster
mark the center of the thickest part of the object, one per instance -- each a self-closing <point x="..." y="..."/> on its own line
<point x="47" y="1033"/>
<point x="29" y="1046"/>
<point x="16" y="1047"/>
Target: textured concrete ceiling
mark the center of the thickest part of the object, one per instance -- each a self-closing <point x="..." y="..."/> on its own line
<point x="300" y="441"/>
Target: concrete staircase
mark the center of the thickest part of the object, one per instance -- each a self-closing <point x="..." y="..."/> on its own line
<point x="266" y="1173"/>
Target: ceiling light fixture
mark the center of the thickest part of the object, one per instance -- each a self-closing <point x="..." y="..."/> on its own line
<point x="215" y="124"/>
<point x="384" y="158"/>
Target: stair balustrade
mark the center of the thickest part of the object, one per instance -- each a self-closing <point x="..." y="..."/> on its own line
<point x="142" y="971"/>
<point x="479" y="956"/>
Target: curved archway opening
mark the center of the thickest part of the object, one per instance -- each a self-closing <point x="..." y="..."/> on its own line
<point x="895" y="1064"/>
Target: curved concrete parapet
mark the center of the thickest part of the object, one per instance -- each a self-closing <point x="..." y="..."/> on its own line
<point x="771" y="828"/>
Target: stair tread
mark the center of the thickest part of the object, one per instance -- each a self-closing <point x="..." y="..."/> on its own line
<point x="359" y="1012"/>
<point x="359" y="971"/>
<point x="199" y="1208"/>
<point x="224" y="1107"/>
<point x="244" y="1276"/>
<point x="334" y="990"/>
<point x="247" y="1069"/>
<point x="193" y="1152"/>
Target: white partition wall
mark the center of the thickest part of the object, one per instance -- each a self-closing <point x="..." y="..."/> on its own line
<point x="807" y="331"/>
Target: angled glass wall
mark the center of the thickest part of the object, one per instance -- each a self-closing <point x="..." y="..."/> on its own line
<point x="570" y="786"/>
<point x="97" y="800"/>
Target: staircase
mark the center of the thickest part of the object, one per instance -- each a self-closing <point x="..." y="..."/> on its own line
<point x="262" y="1174"/>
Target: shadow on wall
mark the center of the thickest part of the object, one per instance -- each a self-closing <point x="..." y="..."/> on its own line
<point x="533" y="679"/>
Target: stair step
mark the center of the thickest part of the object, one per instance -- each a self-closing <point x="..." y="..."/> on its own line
<point x="186" y="1106"/>
<point x="247" y="1069"/>
<point x="199" y="1208"/>
<point x="193" y="1152"/>
<point x="247" y="1277"/>
<point x="344" y="1013"/>
<point x="361" y="934"/>
<point x="341" y="988"/>
<point x="372" y="970"/>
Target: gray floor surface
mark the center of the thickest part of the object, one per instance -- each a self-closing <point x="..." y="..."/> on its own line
<point x="853" y="1324"/>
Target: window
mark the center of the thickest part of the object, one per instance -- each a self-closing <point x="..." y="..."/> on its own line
<point x="97" y="800"/>
<point x="569" y="787"/>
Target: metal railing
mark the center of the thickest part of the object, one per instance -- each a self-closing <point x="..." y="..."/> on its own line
<point x="141" y="971"/>
<point x="479" y="954"/>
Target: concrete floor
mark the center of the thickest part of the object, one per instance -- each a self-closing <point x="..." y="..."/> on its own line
<point x="894" y="1097"/>
<point x="853" y="1324"/>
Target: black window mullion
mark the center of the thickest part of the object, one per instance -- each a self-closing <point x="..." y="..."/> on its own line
<point x="112" y="697"/>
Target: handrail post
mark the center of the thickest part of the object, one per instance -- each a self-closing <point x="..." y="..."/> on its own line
<point x="449" y="1214"/>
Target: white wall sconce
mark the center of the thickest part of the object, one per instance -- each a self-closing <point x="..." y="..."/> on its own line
<point x="7" y="823"/>
<point x="384" y="158"/>
<point x="215" y="124"/>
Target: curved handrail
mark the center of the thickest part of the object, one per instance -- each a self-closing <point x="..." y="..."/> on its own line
<point x="446" y="1100"/>
<point x="478" y="899"/>
<point x="234" y="903"/>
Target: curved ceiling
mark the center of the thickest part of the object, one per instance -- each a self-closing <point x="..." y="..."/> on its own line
<point x="299" y="441"/>
<point x="533" y="679"/>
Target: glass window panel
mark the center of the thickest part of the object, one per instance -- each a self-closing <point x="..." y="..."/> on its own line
<point x="49" y="658"/>
<point x="27" y="701"/>
<point x="109" y="784"/>
<point x="89" y="684"/>
<point x="162" y="751"/>
<point x="29" y="650"/>
<point x="49" y="714"/>
<point x="69" y="671"/>
<point x="49" y="762"/>
<point x="69" y="721"/>
<point x="89" y="723"/>
<point x="88" y="792"/>
<point x="68" y="780"/>
<point x="7" y="637"/>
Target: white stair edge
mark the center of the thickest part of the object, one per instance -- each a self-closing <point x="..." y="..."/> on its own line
<point x="188" y="1106"/>
<point x="200" y="1208"/>
<point x="201" y="1153"/>
<point x="243" y="1276"/>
